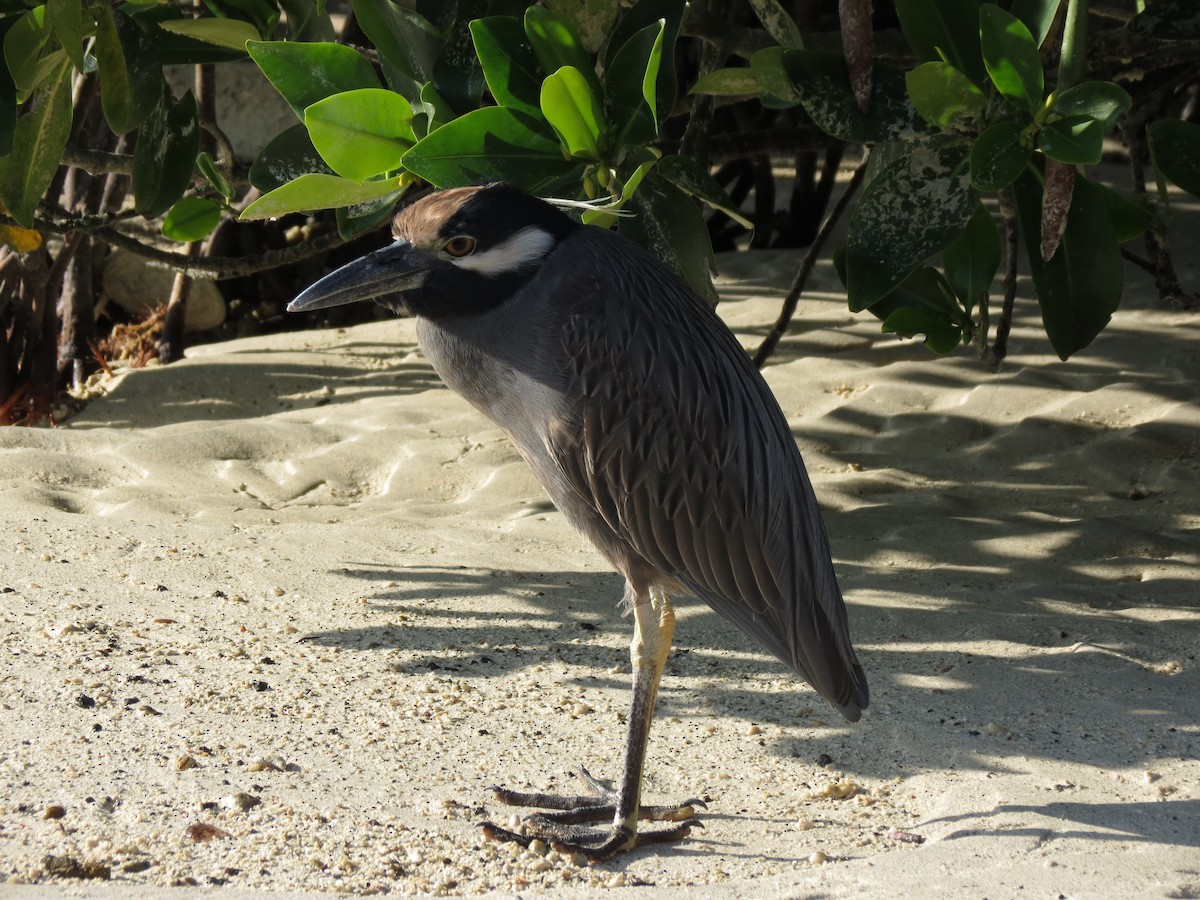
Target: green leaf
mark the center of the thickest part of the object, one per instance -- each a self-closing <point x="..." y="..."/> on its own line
<point x="971" y="261"/>
<point x="1077" y="140"/>
<point x="778" y="23"/>
<point x="307" y="21"/>
<point x="1080" y="287"/>
<point x="631" y="86"/>
<point x="66" y="18"/>
<point x="573" y="112"/>
<point x="945" y="30"/>
<point x="191" y="219"/>
<point x="23" y="45"/>
<point x="911" y="210"/>
<point x="491" y="144"/>
<point x="1038" y="16"/>
<point x="1130" y="219"/>
<point x="8" y="108"/>
<point x="457" y="72"/>
<point x="208" y="168"/>
<point x="165" y="154"/>
<point x="823" y="84"/>
<point x="942" y="336"/>
<point x="1175" y="151"/>
<point x="738" y="82"/>
<point x="669" y="225"/>
<point x="999" y="155"/>
<point x="643" y="15"/>
<point x="361" y="133"/>
<point x="1011" y="57"/>
<point x="555" y="44"/>
<point x="130" y="73"/>
<point x="942" y="94"/>
<point x="289" y="155"/>
<point x="231" y="33"/>
<point x="262" y="15"/>
<point x="39" y="138"/>
<point x="1100" y="100"/>
<point x="316" y="191"/>
<point x="686" y="173"/>
<point x="407" y="43"/>
<point x="771" y="71"/>
<point x="306" y="73"/>
<point x="362" y="217"/>
<point x="509" y="65"/>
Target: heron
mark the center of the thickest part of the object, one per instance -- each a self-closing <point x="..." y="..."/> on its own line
<point x="652" y="432"/>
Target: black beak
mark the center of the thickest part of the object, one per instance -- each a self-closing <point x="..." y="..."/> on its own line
<point x="393" y="269"/>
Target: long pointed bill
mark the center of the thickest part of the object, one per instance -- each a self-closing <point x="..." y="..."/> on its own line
<point x="394" y="268"/>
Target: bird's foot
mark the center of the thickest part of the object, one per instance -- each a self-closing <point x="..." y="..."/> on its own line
<point x="564" y="830"/>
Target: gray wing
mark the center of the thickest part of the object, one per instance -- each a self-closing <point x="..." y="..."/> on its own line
<point x="680" y="446"/>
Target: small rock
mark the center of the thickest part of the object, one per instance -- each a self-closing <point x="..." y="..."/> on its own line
<point x="54" y="812"/>
<point x="70" y="867"/>
<point x="580" y="709"/>
<point x="138" y="865"/>
<point x="753" y="730"/>
<point x="202" y="832"/>
<point x="239" y="802"/>
<point x="817" y="857"/>
<point x="618" y="880"/>
<point x="185" y="762"/>
<point x="137" y="287"/>
<point x="995" y="729"/>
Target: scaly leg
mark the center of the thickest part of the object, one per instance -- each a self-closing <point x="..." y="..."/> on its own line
<point x="654" y="626"/>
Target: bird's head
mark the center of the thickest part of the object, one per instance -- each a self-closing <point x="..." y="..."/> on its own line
<point x="456" y="252"/>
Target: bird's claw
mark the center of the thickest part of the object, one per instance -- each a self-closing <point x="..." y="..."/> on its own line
<point x="563" y="828"/>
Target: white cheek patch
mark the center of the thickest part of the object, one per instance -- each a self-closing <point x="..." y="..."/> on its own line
<point x="526" y="246"/>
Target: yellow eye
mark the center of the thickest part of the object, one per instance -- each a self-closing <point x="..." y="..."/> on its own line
<point x="460" y="246"/>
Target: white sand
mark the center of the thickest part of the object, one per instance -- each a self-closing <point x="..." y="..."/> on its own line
<point x="304" y="566"/>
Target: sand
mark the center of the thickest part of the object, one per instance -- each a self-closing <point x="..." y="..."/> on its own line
<point x="276" y="617"/>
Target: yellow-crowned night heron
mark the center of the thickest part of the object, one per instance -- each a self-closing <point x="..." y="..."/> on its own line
<point x="650" y="429"/>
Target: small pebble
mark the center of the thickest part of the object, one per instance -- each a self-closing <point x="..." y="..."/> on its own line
<point x="185" y="762"/>
<point x="753" y="730"/>
<point x="54" y="812"/>
<point x="817" y="857"/>
<point x="202" y="832"/>
<point x="239" y="802"/>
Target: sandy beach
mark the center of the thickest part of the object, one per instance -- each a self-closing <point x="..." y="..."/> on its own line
<point x="276" y="617"/>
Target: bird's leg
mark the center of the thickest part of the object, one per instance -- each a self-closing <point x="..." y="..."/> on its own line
<point x="654" y="626"/>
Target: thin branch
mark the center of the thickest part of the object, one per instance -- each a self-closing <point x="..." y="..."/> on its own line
<point x="771" y="341"/>
<point x="1008" y="212"/>
<point x="217" y="268"/>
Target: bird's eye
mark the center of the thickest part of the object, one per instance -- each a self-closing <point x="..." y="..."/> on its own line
<point x="460" y="246"/>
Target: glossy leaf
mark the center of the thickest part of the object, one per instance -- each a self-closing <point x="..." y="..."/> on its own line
<point x="779" y="23"/>
<point x="631" y="86"/>
<point x="1038" y="16"/>
<point x="1130" y="219"/>
<point x="289" y="155"/>
<point x="130" y="73"/>
<point x="1011" y="57"/>
<point x="191" y="219"/>
<point x="307" y="21"/>
<point x="1077" y="140"/>
<point x="23" y="43"/>
<point x="971" y="261"/>
<point x="437" y="111"/>
<point x="361" y="133"/>
<point x="39" y="138"/>
<point x="592" y="20"/>
<point x="922" y="304"/>
<point x="573" y="112"/>
<point x="556" y="45"/>
<point x="165" y="154"/>
<point x="643" y="15"/>
<point x="8" y="105"/>
<point x="406" y="40"/>
<point x="669" y="225"/>
<point x="67" y="20"/>
<point x="944" y="30"/>
<point x="306" y="73"/>
<point x="735" y="82"/>
<point x="509" y="65"/>
<point x="942" y="94"/>
<point x="823" y="85"/>
<point x="771" y="72"/>
<point x="231" y="33"/>
<point x="912" y="209"/>
<point x="457" y="72"/>
<point x="362" y="217"/>
<point x="1079" y="289"/>
<point x="686" y="173"/>
<point x="941" y="335"/>
<point x="1100" y="100"/>
<point x="317" y="191"/>
<point x="490" y="144"/>
<point x="208" y="168"/>
<point x="1175" y="150"/>
<point x="21" y="240"/>
<point x="998" y="156"/>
